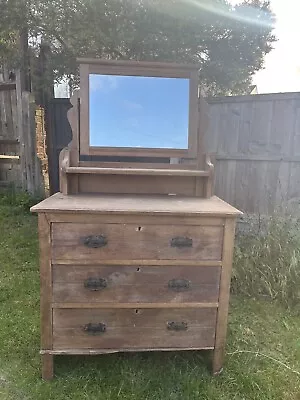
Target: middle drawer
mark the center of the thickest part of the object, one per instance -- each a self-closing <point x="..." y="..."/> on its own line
<point x="133" y="284"/>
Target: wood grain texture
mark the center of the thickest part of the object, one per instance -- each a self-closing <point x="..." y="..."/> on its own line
<point x="132" y="63"/>
<point x="91" y="352"/>
<point x="20" y="129"/>
<point x="46" y="294"/>
<point x="221" y="327"/>
<point x="134" y="305"/>
<point x="131" y="204"/>
<point x="140" y="290"/>
<point x="135" y="328"/>
<point x="134" y="184"/>
<point x="47" y="365"/>
<point x="136" y="171"/>
<point x="256" y="142"/>
<point x="139" y="219"/>
<point x="180" y="164"/>
<point x="194" y="146"/>
<point x="203" y="121"/>
<point x="155" y="70"/>
<point x="20" y="166"/>
<point x="83" y="116"/>
<point x="138" y="152"/>
<point x="144" y="263"/>
<point x="135" y="284"/>
<point x="130" y="241"/>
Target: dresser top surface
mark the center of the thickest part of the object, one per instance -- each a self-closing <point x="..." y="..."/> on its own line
<point x="125" y="204"/>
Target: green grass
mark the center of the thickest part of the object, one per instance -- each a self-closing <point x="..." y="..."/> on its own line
<point x="259" y="326"/>
<point x="267" y="261"/>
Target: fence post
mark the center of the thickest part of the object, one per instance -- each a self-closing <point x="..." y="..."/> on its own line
<point x="31" y="175"/>
<point x="20" y="129"/>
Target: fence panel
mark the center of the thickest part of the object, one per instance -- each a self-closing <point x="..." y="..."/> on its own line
<point x="256" y="140"/>
<point x="19" y="164"/>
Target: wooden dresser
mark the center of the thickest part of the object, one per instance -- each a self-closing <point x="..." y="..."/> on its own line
<point x="132" y="259"/>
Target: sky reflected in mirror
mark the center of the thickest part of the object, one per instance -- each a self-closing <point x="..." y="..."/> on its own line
<point x="134" y="111"/>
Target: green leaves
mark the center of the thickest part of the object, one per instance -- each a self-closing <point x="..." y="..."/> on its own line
<point x="229" y="44"/>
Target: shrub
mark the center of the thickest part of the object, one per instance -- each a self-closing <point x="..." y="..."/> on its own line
<point x="267" y="262"/>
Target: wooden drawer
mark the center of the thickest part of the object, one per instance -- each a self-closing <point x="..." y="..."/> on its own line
<point x="74" y="241"/>
<point x="128" y="284"/>
<point x="133" y="328"/>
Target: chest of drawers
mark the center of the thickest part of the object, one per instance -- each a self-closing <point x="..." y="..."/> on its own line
<point x="134" y="273"/>
<point x="135" y="251"/>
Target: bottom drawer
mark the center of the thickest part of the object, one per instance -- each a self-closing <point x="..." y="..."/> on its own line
<point x="133" y="328"/>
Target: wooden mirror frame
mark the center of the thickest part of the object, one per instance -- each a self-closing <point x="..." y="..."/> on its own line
<point x="136" y="68"/>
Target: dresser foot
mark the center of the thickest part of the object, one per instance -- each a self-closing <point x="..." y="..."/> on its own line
<point x="47" y="367"/>
<point x="217" y="362"/>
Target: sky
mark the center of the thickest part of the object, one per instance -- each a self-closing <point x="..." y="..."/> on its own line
<point x="139" y="111"/>
<point x="282" y="65"/>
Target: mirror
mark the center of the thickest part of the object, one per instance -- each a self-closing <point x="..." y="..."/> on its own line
<point x="138" y="112"/>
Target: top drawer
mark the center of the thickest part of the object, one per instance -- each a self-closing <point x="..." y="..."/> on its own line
<point x="78" y="242"/>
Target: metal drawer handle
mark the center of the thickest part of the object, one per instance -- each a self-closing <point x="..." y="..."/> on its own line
<point x="95" y="241"/>
<point x="94" y="329"/>
<point x="95" y="284"/>
<point x="177" y="326"/>
<point x="181" y="241"/>
<point x="179" y="284"/>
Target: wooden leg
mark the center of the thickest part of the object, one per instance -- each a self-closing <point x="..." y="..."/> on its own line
<point x="221" y="327"/>
<point x="217" y="363"/>
<point x="47" y="367"/>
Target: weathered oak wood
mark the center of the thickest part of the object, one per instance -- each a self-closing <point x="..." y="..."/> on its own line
<point x="140" y="218"/>
<point x="135" y="171"/>
<point x="135" y="284"/>
<point x="136" y="184"/>
<point x="129" y="241"/>
<point x="133" y="328"/>
<point x="144" y="263"/>
<point x="47" y="365"/>
<point x="135" y="305"/>
<point x="134" y="256"/>
<point x="91" y="352"/>
<point x="46" y="294"/>
<point x="221" y="327"/>
<point x="130" y="204"/>
<point x="132" y="63"/>
<point x="140" y="165"/>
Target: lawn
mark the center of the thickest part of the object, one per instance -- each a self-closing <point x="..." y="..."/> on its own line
<point x="263" y="351"/>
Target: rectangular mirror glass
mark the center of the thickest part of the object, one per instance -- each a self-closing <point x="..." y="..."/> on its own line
<point x="138" y="112"/>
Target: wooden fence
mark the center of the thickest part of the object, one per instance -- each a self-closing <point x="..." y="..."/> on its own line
<point x="9" y="141"/>
<point x="256" y="142"/>
<point x="19" y="164"/>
